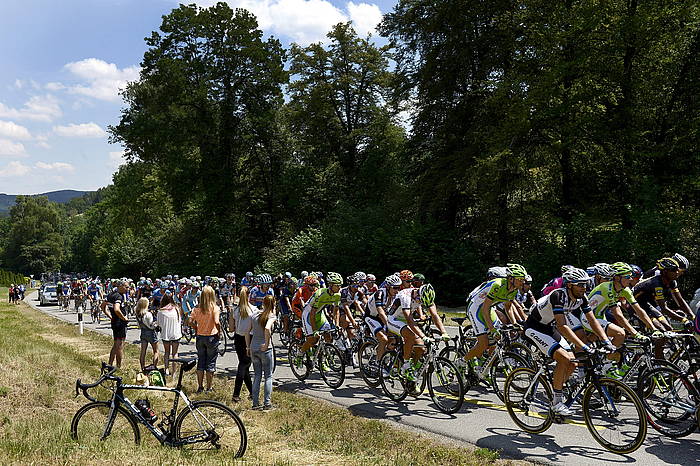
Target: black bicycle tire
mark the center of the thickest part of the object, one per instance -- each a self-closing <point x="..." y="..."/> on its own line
<point x="509" y="404"/>
<point x="495" y="366"/>
<point x="222" y="343"/>
<point x="290" y="355"/>
<point x="655" y="418"/>
<point x="370" y="381"/>
<point x="243" y="445"/>
<point x="329" y="347"/>
<point x="103" y="404"/>
<point x="404" y="394"/>
<point x="642" y="422"/>
<point x="460" y="383"/>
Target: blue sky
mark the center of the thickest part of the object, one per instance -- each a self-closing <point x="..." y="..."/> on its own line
<point x="62" y="64"/>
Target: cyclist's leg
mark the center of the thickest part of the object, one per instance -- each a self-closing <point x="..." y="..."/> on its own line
<point x="480" y="331"/>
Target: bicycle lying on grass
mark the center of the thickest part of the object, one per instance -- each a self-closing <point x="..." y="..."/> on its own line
<point x="203" y="424"/>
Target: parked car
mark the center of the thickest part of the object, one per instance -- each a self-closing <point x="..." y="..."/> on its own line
<point x="48" y="295"/>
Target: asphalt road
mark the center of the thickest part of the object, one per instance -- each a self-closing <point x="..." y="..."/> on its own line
<point x="483" y="420"/>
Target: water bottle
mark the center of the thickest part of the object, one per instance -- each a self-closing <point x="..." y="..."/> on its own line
<point x="145" y="407"/>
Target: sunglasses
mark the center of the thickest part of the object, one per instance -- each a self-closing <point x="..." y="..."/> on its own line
<point x="395" y="287"/>
<point x="626" y="276"/>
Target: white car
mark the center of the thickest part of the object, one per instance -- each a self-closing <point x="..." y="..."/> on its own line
<point x="48" y="296"/>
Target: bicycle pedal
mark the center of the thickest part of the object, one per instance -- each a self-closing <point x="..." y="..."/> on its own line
<point x="559" y="419"/>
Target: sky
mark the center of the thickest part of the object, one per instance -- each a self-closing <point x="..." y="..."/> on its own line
<point x="62" y="64"/>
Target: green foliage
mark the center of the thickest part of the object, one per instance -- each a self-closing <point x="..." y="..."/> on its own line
<point x="10" y="278"/>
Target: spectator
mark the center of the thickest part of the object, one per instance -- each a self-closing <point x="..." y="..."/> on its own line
<point x="11" y="293"/>
<point x="147" y="325"/>
<point x="260" y="350"/>
<point x="205" y="320"/>
<point x="240" y="322"/>
<point x="112" y="307"/>
<point x="168" y="318"/>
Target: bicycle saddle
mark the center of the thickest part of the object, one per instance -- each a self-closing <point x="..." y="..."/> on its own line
<point x="187" y="364"/>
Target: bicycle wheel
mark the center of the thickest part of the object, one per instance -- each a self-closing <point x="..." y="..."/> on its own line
<point x="222" y="343"/>
<point x="297" y="360"/>
<point x="390" y="376"/>
<point x="500" y="371"/>
<point x="369" y="366"/>
<point x="614" y="415"/>
<point x="90" y="423"/>
<point x="331" y="366"/>
<point x="529" y="400"/>
<point x="671" y="400"/>
<point x="445" y="386"/>
<point x="216" y="426"/>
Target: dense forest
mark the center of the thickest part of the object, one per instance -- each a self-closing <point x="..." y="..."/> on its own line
<point x="482" y="132"/>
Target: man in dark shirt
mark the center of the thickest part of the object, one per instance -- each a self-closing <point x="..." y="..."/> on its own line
<point x="655" y="293"/>
<point x="112" y="307"/>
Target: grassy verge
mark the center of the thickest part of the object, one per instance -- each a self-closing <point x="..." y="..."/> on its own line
<point x="40" y="359"/>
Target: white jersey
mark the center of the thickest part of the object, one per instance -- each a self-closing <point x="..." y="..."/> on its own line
<point x="404" y="300"/>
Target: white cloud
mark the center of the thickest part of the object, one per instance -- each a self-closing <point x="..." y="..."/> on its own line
<point x="12" y="130"/>
<point x="13" y="149"/>
<point x="53" y="86"/>
<point x="43" y="145"/>
<point x="56" y="166"/>
<point x="365" y="17"/>
<point x="14" y="168"/>
<point x="103" y="80"/>
<point x="84" y="130"/>
<point x="37" y="108"/>
<point x="306" y="21"/>
<point x="116" y="159"/>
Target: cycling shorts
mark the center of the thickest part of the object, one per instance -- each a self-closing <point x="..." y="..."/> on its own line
<point x="476" y="317"/>
<point x="395" y="325"/>
<point x="587" y="326"/>
<point x="547" y="342"/>
<point x="375" y="325"/>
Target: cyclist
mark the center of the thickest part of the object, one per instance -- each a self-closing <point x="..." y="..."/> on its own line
<point x="427" y="298"/>
<point x="654" y="293"/>
<point x="352" y="296"/>
<point x="303" y="294"/>
<point x="248" y="280"/>
<point x="228" y="291"/>
<point x="400" y="322"/>
<point x="549" y="327"/>
<point x="95" y="293"/>
<point x="556" y="283"/>
<point x="599" y="273"/>
<point x="258" y="292"/>
<point x="371" y="285"/>
<point x="479" y="307"/>
<point x="287" y="292"/>
<point x="313" y="318"/>
<point x="375" y="311"/>
<point x="191" y="300"/>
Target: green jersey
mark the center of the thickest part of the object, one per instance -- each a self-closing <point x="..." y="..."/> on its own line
<point x="604" y="296"/>
<point x="320" y="299"/>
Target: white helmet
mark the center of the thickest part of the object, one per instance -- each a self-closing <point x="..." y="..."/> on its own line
<point x="393" y="280"/>
<point x="574" y="275"/>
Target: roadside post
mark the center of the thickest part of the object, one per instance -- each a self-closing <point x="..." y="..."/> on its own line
<point x="80" y="319"/>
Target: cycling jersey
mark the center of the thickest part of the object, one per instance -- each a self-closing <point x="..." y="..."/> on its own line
<point x="555" y="303"/>
<point x="227" y="289"/>
<point x="320" y="299"/>
<point x="257" y="295"/>
<point x="349" y="297"/>
<point x="190" y="300"/>
<point x="285" y="293"/>
<point x="497" y="291"/>
<point x="378" y="298"/>
<point x="604" y="296"/>
<point x="653" y="289"/>
<point x="553" y="284"/>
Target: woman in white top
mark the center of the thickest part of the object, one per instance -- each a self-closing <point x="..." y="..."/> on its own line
<point x="240" y="321"/>
<point x="170" y="328"/>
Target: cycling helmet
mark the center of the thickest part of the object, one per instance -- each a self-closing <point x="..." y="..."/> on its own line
<point x="288" y="274"/>
<point x="293" y="282"/>
<point x="604" y="270"/>
<point x="352" y="280"/>
<point x="516" y="271"/>
<point x="371" y="278"/>
<point x="182" y="281"/>
<point x="313" y="274"/>
<point x="334" y="278"/>
<point x="427" y="295"/>
<point x="169" y="277"/>
<point x="304" y="274"/>
<point x="311" y="281"/>
<point x="264" y="279"/>
<point x="418" y="277"/>
<point x="198" y="277"/>
<point x="320" y="274"/>
<point x="249" y="274"/>
<point x="393" y="280"/>
<point x="176" y="277"/>
<point x="496" y="272"/>
<point x="621" y="268"/>
<point x="574" y="275"/>
<point x="406" y="275"/>
<point x="360" y="276"/>
<point x="564" y="268"/>
<point x="683" y="263"/>
<point x="528" y="278"/>
<point x="667" y="263"/>
<point x="142" y="279"/>
<point x="637" y="271"/>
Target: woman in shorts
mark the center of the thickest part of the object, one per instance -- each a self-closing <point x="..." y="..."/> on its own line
<point x="170" y="330"/>
<point x="148" y="325"/>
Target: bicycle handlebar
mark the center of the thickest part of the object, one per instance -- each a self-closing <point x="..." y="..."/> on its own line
<point x="106" y="372"/>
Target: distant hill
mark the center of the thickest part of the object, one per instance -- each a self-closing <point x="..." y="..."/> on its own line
<point x="62" y="197"/>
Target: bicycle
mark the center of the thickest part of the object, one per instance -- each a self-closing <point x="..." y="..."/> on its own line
<point x="95" y="312"/>
<point x="326" y="356"/>
<point x="202" y="423"/>
<point x="497" y="366"/>
<point x="441" y="376"/>
<point x="612" y="411"/>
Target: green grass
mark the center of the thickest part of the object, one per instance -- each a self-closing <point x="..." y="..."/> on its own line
<point x="40" y="359"/>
